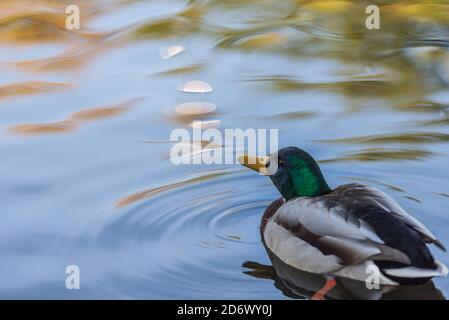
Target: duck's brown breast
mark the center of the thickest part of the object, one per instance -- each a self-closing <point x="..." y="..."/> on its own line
<point x="269" y="212"/>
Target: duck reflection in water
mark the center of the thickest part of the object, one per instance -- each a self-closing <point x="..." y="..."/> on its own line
<point x="298" y="284"/>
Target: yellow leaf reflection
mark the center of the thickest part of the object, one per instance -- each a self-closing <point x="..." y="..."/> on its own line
<point x="148" y="193"/>
<point x="73" y="121"/>
<point x="30" y="87"/>
<point x="44" y="128"/>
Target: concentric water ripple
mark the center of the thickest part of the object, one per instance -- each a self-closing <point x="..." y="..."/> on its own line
<point x="193" y="237"/>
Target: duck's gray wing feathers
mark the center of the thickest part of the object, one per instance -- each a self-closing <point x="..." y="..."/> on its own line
<point x="335" y="231"/>
<point x="391" y="205"/>
<point x="354" y="251"/>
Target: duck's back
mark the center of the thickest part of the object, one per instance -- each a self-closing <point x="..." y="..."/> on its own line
<point x="354" y="225"/>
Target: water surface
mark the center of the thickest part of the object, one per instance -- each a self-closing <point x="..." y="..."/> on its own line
<point x="85" y="117"/>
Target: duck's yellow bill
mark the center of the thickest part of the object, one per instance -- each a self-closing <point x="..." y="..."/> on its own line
<point x="253" y="162"/>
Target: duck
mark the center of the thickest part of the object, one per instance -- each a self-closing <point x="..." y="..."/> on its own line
<point x="298" y="284"/>
<point x="352" y="231"/>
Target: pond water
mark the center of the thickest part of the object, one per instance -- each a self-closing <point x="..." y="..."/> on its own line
<point x="86" y="118"/>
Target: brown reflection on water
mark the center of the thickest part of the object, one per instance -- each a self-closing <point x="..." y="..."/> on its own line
<point x="43" y="128"/>
<point x="303" y="285"/>
<point x="103" y="112"/>
<point x="30" y="87"/>
<point x="30" y="21"/>
<point x="183" y="23"/>
<point x="405" y="138"/>
<point x="148" y="193"/>
<point x="72" y="59"/>
<point x="194" y="68"/>
<point x="422" y="106"/>
<point x="74" y="120"/>
<point x="381" y="154"/>
<point x="352" y="88"/>
<point x="291" y="116"/>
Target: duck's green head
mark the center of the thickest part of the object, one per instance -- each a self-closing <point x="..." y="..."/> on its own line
<point x="293" y="171"/>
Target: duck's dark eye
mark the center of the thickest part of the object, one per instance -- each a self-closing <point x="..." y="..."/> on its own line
<point x="281" y="163"/>
<point x="267" y="165"/>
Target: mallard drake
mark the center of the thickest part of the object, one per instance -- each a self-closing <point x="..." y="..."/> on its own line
<point x="347" y="232"/>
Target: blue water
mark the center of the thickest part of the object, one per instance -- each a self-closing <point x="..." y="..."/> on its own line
<point x="59" y="190"/>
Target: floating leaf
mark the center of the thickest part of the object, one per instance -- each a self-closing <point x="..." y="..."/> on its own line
<point x="195" y="86"/>
<point x="171" y="51"/>
<point x="195" y="108"/>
